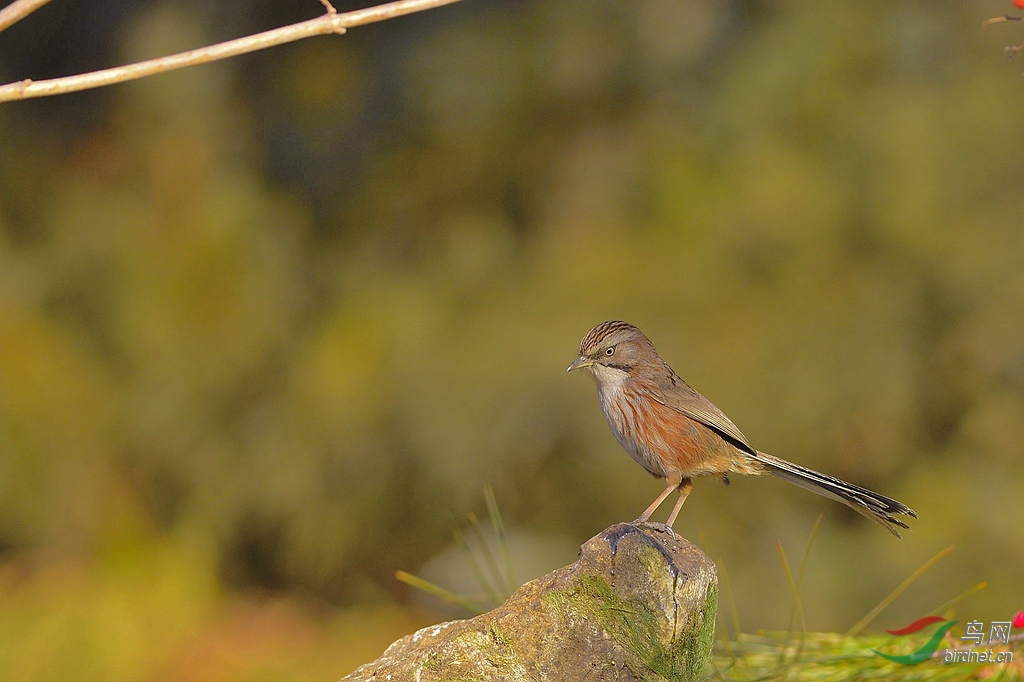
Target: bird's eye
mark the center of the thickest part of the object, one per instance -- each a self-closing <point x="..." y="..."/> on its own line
<point x="610" y="351"/>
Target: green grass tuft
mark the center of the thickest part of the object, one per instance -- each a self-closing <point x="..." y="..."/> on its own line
<point x="828" y="657"/>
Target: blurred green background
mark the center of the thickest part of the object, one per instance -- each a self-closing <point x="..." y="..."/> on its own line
<point x="267" y="325"/>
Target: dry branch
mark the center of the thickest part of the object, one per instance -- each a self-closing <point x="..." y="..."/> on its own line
<point x="18" y="10"/>
<point x="331" y="22"/>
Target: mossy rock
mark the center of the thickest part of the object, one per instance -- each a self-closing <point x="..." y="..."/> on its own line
<point x="638" y="604"/>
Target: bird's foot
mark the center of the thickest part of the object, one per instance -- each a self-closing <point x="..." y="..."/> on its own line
<point x="663" y="527"/>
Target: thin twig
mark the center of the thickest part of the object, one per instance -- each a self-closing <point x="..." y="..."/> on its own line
<point x="18" y="10"/>
<point x="999" y="20"/>
<point x="322" y="25"/>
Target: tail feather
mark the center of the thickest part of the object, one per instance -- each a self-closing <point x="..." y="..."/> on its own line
<point x="878" y="508"/>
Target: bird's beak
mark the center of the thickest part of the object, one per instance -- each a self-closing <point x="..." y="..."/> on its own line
<point x="581" y="361"/>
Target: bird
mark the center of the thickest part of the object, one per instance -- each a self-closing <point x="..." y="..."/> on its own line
<point x="677" y="434"/>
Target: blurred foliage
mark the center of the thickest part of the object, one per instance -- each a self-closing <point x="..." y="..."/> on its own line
<point x="286" y="313"/>
<point x="146" y="605"/>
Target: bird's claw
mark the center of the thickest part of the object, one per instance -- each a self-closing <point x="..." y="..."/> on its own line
<point x="663" y="527"/>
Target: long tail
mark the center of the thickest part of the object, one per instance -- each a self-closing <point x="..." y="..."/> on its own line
<point x="878" y="508"/>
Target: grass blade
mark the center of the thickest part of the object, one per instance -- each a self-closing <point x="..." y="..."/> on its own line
<point x="733" y="612"/>
<point x="807" y="549"/>
<point x="438" y="591"/>
<point x="794" y="588"/>
<point x="959" y="598"/>
<point x="488" y="555"/>
<point x="474" y="564"/>
<point x="797" y="605"/>
<point x="502" y="541"/>
<point x="873" y="613"/>
<point x="803" y="564"/>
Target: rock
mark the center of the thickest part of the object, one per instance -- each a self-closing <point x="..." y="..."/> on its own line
<point x="638" y="604"/>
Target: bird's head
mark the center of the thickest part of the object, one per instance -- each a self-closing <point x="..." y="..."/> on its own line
<point x="612" y="349"/>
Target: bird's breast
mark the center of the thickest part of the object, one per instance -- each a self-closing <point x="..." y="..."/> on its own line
<point x="662" y="440"/>
<point x="624" y="414"/>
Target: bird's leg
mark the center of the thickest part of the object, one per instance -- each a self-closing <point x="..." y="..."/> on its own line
<point x="684" y="490"/>
<point x="657" y="503"/>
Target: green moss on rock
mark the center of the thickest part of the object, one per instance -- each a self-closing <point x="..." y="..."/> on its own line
<point x="638" y="604"/>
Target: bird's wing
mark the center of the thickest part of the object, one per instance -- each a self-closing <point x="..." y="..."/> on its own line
<point x="675" y="393"/>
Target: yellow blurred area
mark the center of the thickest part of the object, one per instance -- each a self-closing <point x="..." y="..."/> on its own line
<point x="147" y="606"/>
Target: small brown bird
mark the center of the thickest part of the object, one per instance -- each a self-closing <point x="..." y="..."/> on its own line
<point x="677" y="434"/>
